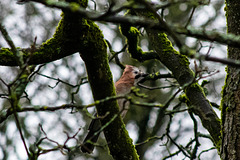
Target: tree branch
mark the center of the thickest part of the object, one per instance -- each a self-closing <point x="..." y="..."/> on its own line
<point x="211" y="35"/>
<point x="178" y="64"/>
<point x="57" y="48"/>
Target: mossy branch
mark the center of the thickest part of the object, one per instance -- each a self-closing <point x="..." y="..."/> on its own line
<point x="132" y="35"/>
<point x="209" y="35"/>
<point x="89" y="42"/>
<point x="178" y="64"/>
<point x="59" y="46"/>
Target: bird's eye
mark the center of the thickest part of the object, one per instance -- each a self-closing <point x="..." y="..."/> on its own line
<point x="136" y="72"/>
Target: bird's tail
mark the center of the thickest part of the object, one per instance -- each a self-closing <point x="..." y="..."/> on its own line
<point x="92" y="136"/>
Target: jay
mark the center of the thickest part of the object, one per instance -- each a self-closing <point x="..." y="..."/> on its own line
<point x="130" y="77"/>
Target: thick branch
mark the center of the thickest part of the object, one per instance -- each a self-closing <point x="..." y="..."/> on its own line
<point x="53" y="49"/>
<point x="179" y="66"/>
<point x="213" y="36"/>
<point x="93" y="50"/>
<point x="59" y="47"/>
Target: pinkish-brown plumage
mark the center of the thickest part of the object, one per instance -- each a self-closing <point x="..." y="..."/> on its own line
<point x="131" y="75"/>
<point x="123" y="86"/>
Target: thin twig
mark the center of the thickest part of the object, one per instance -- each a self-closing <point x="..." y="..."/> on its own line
<point x="197" y="144"/>
<point x="7" y="38"/>
<point x="21" y="133"/>
<point x="179" y="147"/>
<point x="190" y="18"/>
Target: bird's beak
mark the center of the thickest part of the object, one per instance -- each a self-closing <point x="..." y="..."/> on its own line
<point x="141" y="75"/>
<point x="144" y="74"/>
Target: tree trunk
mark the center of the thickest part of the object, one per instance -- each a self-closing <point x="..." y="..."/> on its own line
<point x="231" y="91"/>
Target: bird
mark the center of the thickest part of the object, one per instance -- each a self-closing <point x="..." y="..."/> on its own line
<point x="130" y="77"/>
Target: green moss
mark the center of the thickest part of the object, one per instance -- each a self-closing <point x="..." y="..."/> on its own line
<point x="222" y="94"/>
<point x="97" y="102"/>
<point x="176" y="62"/>
<point x="74" y="6"/>
<point x="168" y="50"/>
<point x="166" y="53"/>
<point x="6" y="55"/>
<point x="76" y="34"/>
<point x="132" y="34"/>
<point x="183" y="98"/>
<point x="197" y="87"/>
<point x="83" y="3"/>
<point x="218" y="143"/>
<point x="93" y="50"/>
<point x="156" y="74"/>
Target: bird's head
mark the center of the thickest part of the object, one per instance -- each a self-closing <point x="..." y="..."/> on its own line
<point x="133" y="74"/>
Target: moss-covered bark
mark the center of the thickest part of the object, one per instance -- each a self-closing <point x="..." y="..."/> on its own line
<point x="231" y="91"/>
<point x="93" y="50"/>
<point x="77" y="34"/>
<point x="179" y="66"/>
<point x="53" y="49"/>
<point x="100" y="79"/>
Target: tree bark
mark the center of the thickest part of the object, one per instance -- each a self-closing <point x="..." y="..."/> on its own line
<point x="77" y="34"/>
<point x="178" y="64"/>
<point x="231" y="91"/>
<point x="93" y="50"/>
